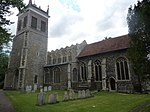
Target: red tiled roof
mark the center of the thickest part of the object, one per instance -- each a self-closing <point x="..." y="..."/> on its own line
<point x="112" y="44"/>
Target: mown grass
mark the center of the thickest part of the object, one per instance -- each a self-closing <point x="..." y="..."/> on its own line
<point x="101" y="102"/>
<point x="147" y="109"/>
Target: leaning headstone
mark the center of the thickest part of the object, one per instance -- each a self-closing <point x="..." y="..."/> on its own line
<point x="45" y="88"/>
<point x="41" y="99"/>
<point x="83" y="94"/>
<point x="52" y="98"/>
<point x="49" y="88"/>
<point x="66" y="97"/>
<point x="87" y="93"/>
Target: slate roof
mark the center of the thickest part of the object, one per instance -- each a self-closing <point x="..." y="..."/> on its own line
<point x="104" y="46"/>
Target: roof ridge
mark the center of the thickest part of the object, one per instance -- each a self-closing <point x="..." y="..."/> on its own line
<point x="108" y="39"/>
<point x="108" y="45"/>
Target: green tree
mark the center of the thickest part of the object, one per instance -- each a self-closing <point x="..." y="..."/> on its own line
<point x="5" y="35"/>
<point x="5" y="6"/>
<point x="138" y="19"/>
<point x="3" y="67"/>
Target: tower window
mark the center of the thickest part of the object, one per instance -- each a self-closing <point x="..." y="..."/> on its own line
<point x="35" y="79"/>
<point x="19" y="25"/>
<point x="34" y="23"/>
<point x="25" y="22"/>
<point x="43" y="26"/>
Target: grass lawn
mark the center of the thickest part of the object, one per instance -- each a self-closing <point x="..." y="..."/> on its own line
<point x="147" y="109"/>
<point x="101" y="102"/>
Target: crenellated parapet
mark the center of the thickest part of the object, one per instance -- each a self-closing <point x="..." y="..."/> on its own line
<point x="65" y="55"/>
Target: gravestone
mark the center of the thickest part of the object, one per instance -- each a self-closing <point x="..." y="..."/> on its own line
<point x="79" y="94"/>
<point x="71" y="94"/>
<point x="49" y="88"/>
<point x="35" y="87"/>
<point x="83" y="94"/>
<point x="66" y="97"/>
<point x="41" y="99"/>
<point x="41" y="90"/>
<point x="52" y="98"/>
<point x="45" y="88"/>
<point x="28" y="88"/>
<point x="87" y="93"/>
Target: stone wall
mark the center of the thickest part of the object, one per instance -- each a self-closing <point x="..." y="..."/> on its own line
<point x="110" y="70"/>
<point x="66" y="60"/>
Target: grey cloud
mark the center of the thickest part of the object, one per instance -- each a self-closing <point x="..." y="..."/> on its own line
<point x="63" y="26"/>
<point x="113" y="14"/>
<point x="106" y="23"/>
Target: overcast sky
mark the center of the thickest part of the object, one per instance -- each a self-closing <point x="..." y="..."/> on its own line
<point x="73" y="21"/>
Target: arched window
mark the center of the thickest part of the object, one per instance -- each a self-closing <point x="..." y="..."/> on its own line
<point x="98" y="70"/>
<point x="83" y="72"/>
<point x="64" y="59"/>
<point x="75" y="75"/>
<point x="64" y="56"/>
<point x="54" y="60"/>
<point x="69" y="56"/>
<point x="49" y="59"/>
<point x="56" y="75"/>
<point x="47" y="76"/>
<point x="51" y="75"/>
<point x="59" y="58"/>
<point x="25" y="21"/>
<point x="122" y="69"/>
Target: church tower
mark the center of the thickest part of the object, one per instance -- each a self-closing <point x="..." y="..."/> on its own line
<point x="29" y="49"/>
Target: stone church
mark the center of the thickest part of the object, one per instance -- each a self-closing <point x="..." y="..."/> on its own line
<point x="101" y="65"/>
